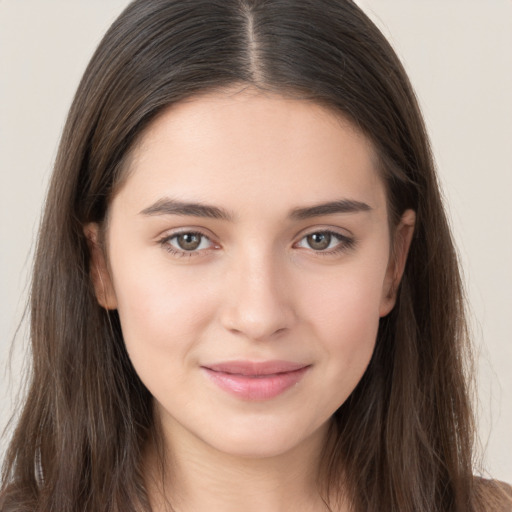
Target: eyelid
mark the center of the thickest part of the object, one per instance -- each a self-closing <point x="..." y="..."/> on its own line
<point x="346" y="241"/>
<point x="164" y="239"/>
<point x="168" y="233"/>
<point x="325" y="228"/>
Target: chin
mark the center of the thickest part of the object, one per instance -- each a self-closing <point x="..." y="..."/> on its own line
<point x="263" y="439"/>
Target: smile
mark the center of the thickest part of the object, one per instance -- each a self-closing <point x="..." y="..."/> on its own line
<point x="255" y="381"/>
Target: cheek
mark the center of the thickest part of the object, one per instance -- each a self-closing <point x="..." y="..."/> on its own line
<point x="160" y="316"/>
<point x="347" y="303"/>
<point x="345" y="319"/>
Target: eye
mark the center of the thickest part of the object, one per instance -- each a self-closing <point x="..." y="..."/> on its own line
<point x="187" y="242"/>
<point x="325" y="241"/>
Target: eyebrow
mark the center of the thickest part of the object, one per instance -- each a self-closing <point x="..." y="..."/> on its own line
<point x="168" y="206"/>
<point x="330" y="208"/>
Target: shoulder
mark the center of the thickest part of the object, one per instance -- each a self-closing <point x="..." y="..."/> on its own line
<point x="492" y="496"/>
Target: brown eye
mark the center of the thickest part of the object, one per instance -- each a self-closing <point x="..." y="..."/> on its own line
<point x="326" y="242"/>
<point x="319" y="241"/>
<point x="188" y="241"/>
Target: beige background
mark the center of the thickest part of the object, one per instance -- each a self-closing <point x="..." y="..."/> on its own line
<point x="459" y="57"/>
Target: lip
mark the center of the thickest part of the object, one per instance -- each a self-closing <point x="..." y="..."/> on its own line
<point x="255" y="380"/>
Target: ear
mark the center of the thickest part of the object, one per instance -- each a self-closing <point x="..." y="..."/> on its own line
<point x="402" y="238"/>
<point x="98" y="270"/>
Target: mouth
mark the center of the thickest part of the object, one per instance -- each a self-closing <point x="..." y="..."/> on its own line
<point x="256" y="380"/>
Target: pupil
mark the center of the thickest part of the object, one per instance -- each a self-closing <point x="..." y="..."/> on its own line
<point x="319" y="241"/>
<point x="189" y="241"/>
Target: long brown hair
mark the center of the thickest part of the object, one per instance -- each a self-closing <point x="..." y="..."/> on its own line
<point x="403" y="440"/>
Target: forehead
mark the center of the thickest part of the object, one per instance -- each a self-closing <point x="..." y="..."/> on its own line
<point x="248" y="144"/>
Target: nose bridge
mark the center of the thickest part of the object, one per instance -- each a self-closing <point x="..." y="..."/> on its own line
<point x="258" y="303"/>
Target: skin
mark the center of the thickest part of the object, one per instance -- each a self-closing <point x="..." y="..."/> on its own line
<point x="255" y="289"/>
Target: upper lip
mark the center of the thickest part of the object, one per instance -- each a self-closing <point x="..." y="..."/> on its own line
<point x="255" y="368"/>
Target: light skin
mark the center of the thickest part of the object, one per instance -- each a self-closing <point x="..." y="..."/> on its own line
<point x="250" y="227"/>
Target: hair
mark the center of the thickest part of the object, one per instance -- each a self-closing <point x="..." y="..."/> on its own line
<point x="403" y="441"/>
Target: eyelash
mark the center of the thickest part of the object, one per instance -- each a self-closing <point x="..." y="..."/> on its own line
<point x="165" y="243"/>
<point x="345" y="243"/>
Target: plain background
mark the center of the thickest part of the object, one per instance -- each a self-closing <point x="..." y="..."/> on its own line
<point x="458" y="54"/>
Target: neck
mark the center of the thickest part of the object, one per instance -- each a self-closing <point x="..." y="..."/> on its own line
<point x="194" y="476"/>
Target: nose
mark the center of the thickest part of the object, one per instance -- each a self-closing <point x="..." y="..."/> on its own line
<point x="258" y="303"/>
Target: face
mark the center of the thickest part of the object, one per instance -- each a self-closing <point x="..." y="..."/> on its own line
<point x="248" y="255"/>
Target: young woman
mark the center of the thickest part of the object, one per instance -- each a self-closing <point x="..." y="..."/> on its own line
<point x="245" y="294"/>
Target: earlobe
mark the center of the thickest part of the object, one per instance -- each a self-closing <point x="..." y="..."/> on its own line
<point x="401" y="243"/>
<point x="98" y="270"/>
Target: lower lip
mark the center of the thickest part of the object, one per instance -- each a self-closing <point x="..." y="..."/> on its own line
<point x="262" y="387"/>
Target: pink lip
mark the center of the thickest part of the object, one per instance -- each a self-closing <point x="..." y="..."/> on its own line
<point x="255" y="381"/>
